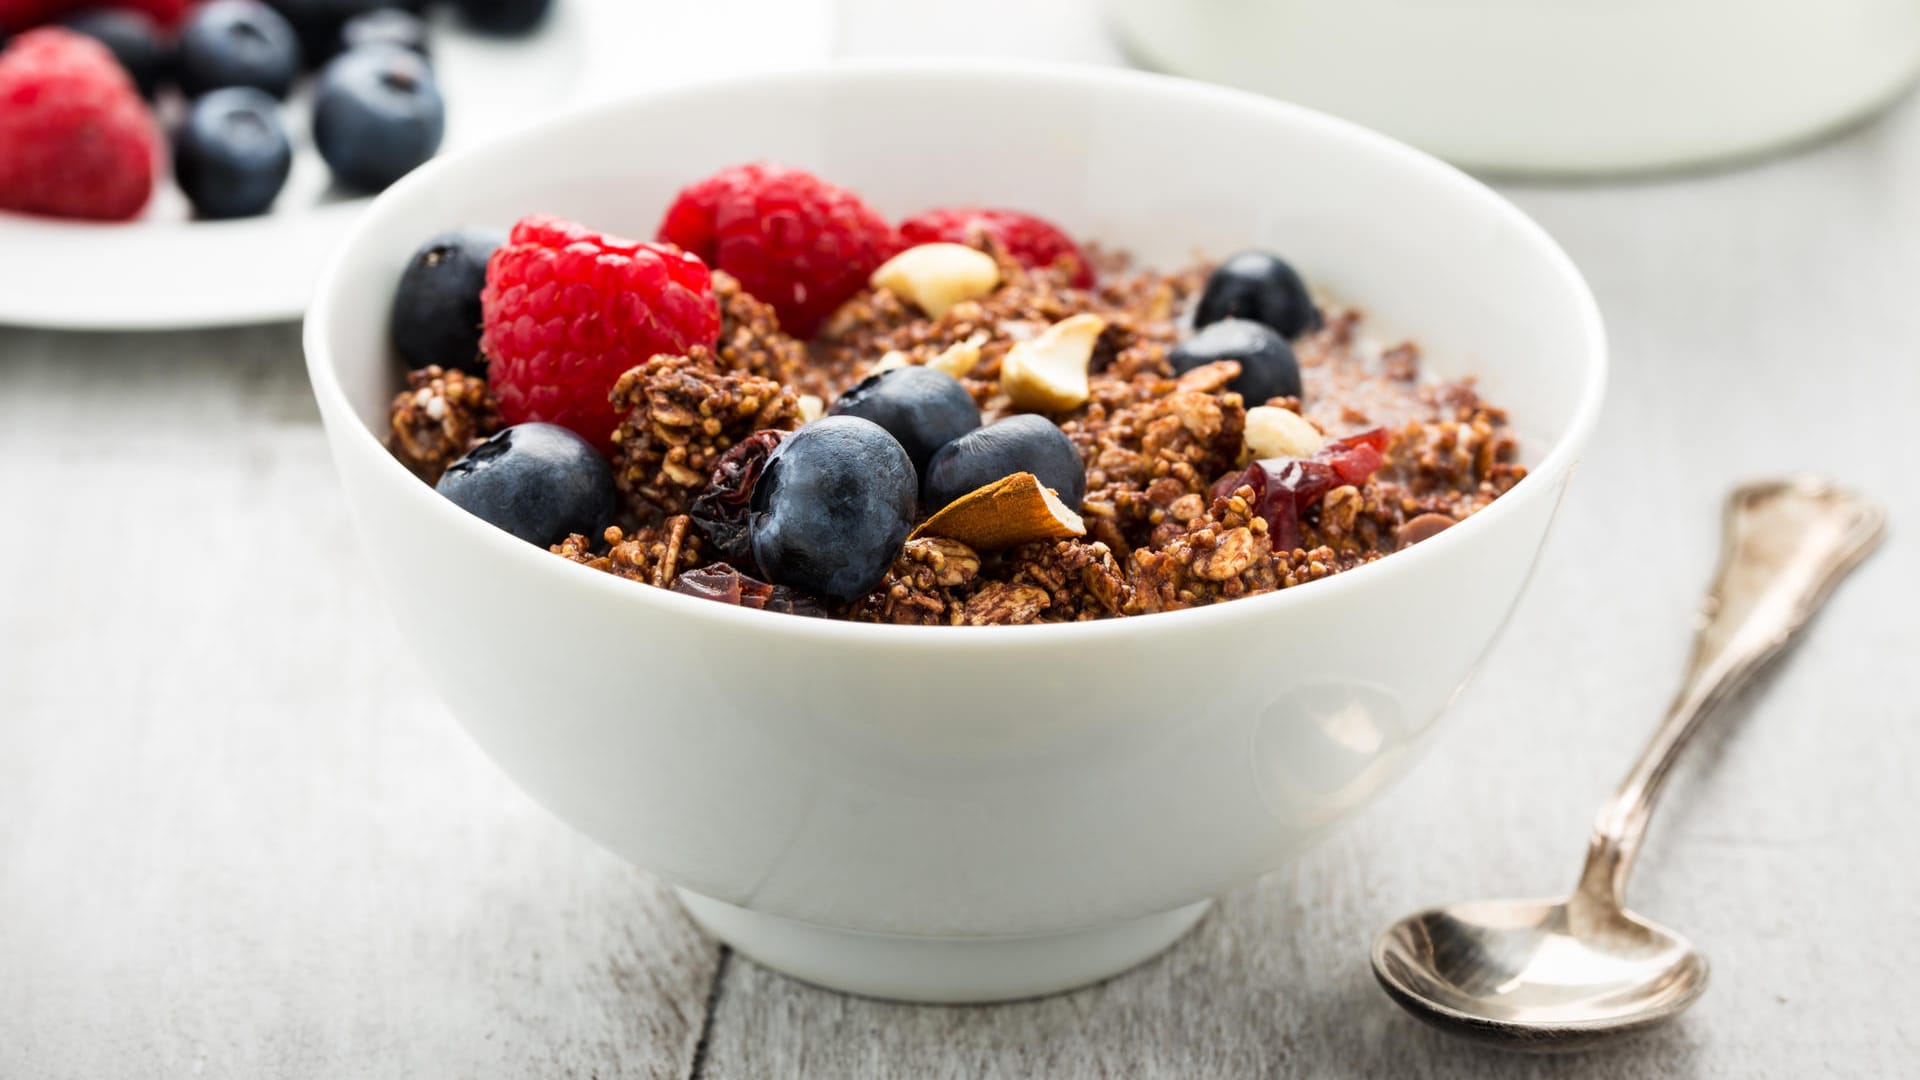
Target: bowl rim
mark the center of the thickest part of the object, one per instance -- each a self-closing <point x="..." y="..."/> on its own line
<point x="1558" y="460"/>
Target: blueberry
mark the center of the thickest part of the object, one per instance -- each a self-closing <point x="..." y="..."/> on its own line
<point x="134" y="39"/>
<point x="1267" y="365"/>
<point x="232" y="155"/>
<point x="1259" y="286"/>
<point x="436" y="309"/>
<point x="377" y="114"/>
<point x="504" y="16"/>
<point x="832" y="507"/>
<point x="237" y="43"/>
<point x="1024" y="443"/>
<point x="318" y="23"/>
<point x="536" y="481"/>
<point x="923" y="408"/>
<point x="385" y="26"/>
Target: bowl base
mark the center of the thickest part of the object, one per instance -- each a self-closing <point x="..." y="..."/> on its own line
<point x="940" y="970"/>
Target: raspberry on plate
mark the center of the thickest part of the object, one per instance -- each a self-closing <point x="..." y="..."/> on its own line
<point x="20" y="14"/>
<point x="566" y="311"/>
<point x="165" y="12"/>
<point x="795" y="241"/>
<point x="1030" y="241"/>
<point x="76" y="141"/>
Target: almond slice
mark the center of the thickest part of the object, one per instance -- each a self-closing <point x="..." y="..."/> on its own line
<point x="1049" y="373"/>
<point x="1273" y="432"/>
<point x="812" y="407"/>
<point x="889" y="360"/>
<point x="1010" y="511"/>
<point x="960" y="358"/>
<point x="934" y="277"/>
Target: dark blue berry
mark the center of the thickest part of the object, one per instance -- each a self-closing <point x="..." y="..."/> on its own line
<point x="504" y="16"/>
<point x="536" y="481"/>
<point x="237" y="43"/>
<point x="377" y="115"/>
<point x="134" y="39"/>
<point x="1259" y="286"/>
<point x="232" y="156"/>
<point x="833" y="504"/>
<point x="1024" y="443"/>
<point x="386" y="26"/>
<point x="923" y="408"/>
<point x="318" y="23"/>
<point x="436" y="309"/>
<point x="1267" y="365"/>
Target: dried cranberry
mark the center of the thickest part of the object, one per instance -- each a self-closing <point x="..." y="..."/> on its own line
<point x="724" y="584"/>
<point x="1284" y="488"/>
<point x="720" y="511"/>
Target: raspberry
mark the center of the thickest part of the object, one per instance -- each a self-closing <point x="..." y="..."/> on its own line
<point x="20" y="14"/>
<point x="1030" y="241"/>
<point x="76" y="141"/>
<point x="566" y="311"/>
<point x="167" y="13"/>
<point x="795" y="241"/>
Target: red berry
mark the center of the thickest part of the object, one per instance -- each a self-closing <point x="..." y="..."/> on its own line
<point x="566" y="311"/>
<point x="1031" y="241"/>
<point x="20" y="14"/>
<point x="1284" y="488"/>
<point x="167" y="13"/>
<point x="76" y="141"/>
<point x="795" y="241"/>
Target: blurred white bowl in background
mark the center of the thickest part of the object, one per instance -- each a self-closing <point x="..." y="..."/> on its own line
<point x="1551" y="86"/>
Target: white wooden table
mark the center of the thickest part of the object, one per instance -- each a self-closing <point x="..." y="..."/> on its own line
<point x="239" y="836"/>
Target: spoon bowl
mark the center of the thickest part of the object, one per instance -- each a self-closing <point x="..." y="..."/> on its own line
<point x="1537" y="974"/>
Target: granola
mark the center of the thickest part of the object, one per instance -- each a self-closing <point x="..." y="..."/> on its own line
<point x="682" y="413"/>
<point x="442" y="414"/>
<point x="1177" y="511"/>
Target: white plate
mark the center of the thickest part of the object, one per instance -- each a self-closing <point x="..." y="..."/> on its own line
<point x="167" y="271"/>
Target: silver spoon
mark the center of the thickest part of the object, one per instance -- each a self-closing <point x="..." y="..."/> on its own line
<point x="1564" y="974"/>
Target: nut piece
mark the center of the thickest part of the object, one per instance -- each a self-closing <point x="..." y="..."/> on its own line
<point x="960" y="358"/>
<point x="1273" y="432"/>
<point x="889" y="360"/>
<point x="812" y="407"/>
<point x="1011" y="511"/>
<point x="950" y="562"/>
<point x="934" y="277"/>
<point x="1423" y="527"/>
<point x="1004" y="603"/>
<point x="1049" y="373"/>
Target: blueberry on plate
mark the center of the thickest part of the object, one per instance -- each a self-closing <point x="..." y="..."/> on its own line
<point x="436" y="309"/>
<point x="833" y="504"/>
<point x="317" y="23"/>
<point x="377" y="115"/>
<point x="1024" y="443"/>
<point x="132" y="37"/>
<point x="386" y="26"/>
<point x="923" y="408"/>
<point x="231" y="155"/>
<point x="1268" y="368"/>
<point x="1260" y="286"/>
<point x="237" y="43"/>
<point x="536" y="481"/>
<point x="504" y="16"/>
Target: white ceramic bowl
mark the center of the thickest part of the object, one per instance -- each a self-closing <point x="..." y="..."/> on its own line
<point x="968" y="814"/>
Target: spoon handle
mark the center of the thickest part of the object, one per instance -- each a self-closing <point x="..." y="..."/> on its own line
<point x="1787" y="543"/>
